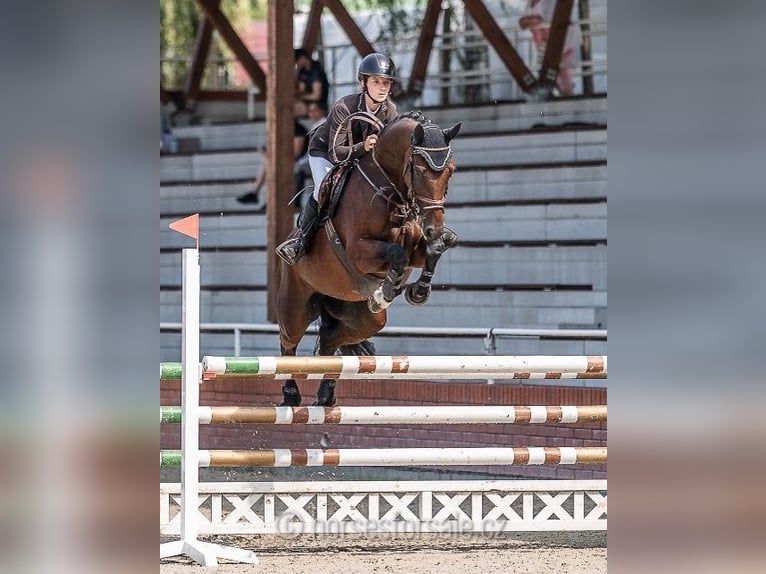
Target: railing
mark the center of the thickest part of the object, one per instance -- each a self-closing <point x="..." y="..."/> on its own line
<point x="488" y="335"/>
<point x="492" y="79"/>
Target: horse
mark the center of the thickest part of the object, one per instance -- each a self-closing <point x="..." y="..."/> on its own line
<point x="388" y="221"/>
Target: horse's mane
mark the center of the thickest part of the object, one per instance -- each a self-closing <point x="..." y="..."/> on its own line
<point x="433" y="133"/>
<point x="413" y="115"/>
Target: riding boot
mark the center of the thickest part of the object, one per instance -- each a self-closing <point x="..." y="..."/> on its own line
<point x="296" y="245"/>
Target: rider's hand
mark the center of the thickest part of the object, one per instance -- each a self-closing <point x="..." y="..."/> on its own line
<point x="370" y="142"/>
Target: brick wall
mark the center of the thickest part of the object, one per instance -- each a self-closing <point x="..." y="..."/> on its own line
<point x="384" y="392"/>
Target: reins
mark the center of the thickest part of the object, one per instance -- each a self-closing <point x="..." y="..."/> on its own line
<point x="411" y="198"/>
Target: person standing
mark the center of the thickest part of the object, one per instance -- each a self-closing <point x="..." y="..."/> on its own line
<point x="537" y="18"/>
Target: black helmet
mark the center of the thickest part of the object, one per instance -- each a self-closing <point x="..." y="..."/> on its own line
<point x="376" y="64"/>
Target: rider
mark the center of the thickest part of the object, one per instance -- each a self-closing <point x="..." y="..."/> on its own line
<point x="352" y="140"/>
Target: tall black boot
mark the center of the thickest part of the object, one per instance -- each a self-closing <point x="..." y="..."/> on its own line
<point x="295" y="246"/>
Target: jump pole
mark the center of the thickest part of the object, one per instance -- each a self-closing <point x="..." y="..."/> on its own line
<point x="402" y="367"/>
<point x="282" y="457"/>
<point x="201" y="552"/>
<point x="404" y="414"/>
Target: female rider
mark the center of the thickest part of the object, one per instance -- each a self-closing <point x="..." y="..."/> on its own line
<point x="376" y="73"/>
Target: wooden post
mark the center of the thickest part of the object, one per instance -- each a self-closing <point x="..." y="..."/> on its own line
<point x="423" y="51"/>
<point x="201" y="50"/>
<point x="232" y="39"/>
<point x="313" y="26"/>
<point x="279" y="128"/>
<point x="558" y="32"/>
<point x="346" y="22"/>
<point x="498" y="40"/>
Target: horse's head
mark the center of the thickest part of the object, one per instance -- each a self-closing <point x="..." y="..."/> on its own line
<point x="418" y="156"/>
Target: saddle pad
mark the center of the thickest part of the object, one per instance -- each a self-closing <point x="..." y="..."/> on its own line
<point x="332" y="188"/>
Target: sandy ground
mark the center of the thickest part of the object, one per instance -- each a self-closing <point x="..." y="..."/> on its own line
<point x="559" y="552"/>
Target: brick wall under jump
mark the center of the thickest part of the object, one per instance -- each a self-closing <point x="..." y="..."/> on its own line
<point x="388" y="392"/>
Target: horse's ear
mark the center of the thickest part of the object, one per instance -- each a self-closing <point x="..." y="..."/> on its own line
<point x="418" y="134"/>
<point x="450" y="133"/>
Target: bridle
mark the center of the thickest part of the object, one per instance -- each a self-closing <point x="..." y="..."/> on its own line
<point x="410" y="204"/>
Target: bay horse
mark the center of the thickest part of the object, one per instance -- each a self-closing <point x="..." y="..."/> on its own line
<point x="389" y="221"/>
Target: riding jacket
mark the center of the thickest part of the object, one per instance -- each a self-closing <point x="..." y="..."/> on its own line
<point x="354" y="131"/>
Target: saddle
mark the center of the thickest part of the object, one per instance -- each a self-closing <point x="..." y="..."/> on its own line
<point x="332" y="188"/>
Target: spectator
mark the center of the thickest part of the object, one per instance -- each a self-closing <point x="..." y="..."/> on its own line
<point x="300" y="148"/>
<point x="317" y="115"/>
<point x="537" y="18"/>
<point x="254" y="196"/>
<point x="336" y="141"/>
<point x="311" y="82"/>
<point x="168" y="142"/>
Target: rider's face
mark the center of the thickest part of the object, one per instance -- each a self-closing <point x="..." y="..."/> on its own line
<point x="378" y="87"/>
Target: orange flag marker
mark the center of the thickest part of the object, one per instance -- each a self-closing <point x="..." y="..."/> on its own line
<point x="188" y="226"/>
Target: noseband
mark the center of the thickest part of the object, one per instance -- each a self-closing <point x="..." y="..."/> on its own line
<point x="437" y="159"/>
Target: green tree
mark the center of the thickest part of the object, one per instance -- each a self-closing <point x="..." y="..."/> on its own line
<point x="179" y="20"/>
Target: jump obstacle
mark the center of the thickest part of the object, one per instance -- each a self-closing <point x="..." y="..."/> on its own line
<point x="390" y="415"/>
<point x="190" y="458"/>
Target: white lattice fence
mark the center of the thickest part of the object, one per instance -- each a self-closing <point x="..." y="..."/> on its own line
<point x="348" y="507"/>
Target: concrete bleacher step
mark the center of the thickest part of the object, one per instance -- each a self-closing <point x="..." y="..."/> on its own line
<point x="465" y="267"/>
<point x="249" y="306"/>
<point x="566" y="183"/>
<point x="444" y="309"/>
<point x="225" y="165"/>
<point x="520" y="115"/>
<point x="226" y="136"/>
<point x="219" y="198"/>
<point x="504" y="149"/>
<point x="557" y="146"/>
<point x="532" y="184"/>
<point x="476" y="119"/>
<point x="492" y="223"/>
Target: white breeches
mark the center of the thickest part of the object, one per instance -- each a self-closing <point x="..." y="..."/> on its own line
<point x="319" y="168"/>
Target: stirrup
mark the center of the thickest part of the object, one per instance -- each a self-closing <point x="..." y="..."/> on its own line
<point x="289" y="250"/>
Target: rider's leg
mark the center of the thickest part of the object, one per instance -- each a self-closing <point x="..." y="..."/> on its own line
<point x="294" y="247"/>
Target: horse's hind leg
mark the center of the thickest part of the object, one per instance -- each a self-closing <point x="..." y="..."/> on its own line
<point x="296" y="309"/>
<point x="344" y="323"/>
<point x="291" y="394"/>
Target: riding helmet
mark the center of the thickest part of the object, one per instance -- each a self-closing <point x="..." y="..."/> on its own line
<point x="376" y="64"/>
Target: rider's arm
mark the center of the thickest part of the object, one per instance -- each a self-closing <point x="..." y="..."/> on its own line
<point x="340" y="133"/>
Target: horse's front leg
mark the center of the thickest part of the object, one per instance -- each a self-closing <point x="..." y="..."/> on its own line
<point x="374" y="256"/>
<point x="418" y="293"/>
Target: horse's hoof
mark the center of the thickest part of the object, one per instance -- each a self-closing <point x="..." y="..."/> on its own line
<point x="417" y="295"/>
<point x="449" y="238"/>
<point x="374" y="306"/>
<point x="326" y="403"/>
<point x="291" y="395"/>
<point x="389" y="290"/>
<point x="325" y="394"/>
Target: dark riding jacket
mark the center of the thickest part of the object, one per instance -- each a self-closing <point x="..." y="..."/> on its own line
<point x="357" y="132"/>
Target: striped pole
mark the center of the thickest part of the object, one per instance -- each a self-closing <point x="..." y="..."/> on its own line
<point x="409" y="367"/>
<point x="393" y="457"/>
<point x="391" y="415"/>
